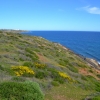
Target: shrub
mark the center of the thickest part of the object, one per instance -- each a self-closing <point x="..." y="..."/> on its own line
<point x="32" y="57"/>
<point x="83" y="78"/>
<point x="98" y="75"/>
<point x="61" y="77"/>
<point x="39" y="65"/>
<point x="72" y="68"/>
<point x="91" y="71"/>
<point x="22" y="71"/>
<point x="1" y="68"/>
<point x="97" y="86"/>
<point x="55" y="83"/>
<point x="30" y="64"/>
<point x="31" y="52"/>
<point x="20" y="91"/>
<point x="18" y="79"/>
<point x="60" y="80"/>
<point x="21" y="59"/>
<point x="64" y="75"/>
<point x="40" y="74"/>
<point x="63" y="62"/>
<point x="96" y="98"/>
<point x="54" y="73"/>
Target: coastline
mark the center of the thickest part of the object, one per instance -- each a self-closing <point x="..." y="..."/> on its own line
<point x="83" y="45"/>
<point x="92" y="62"/>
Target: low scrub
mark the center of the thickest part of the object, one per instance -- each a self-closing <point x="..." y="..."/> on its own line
<point x="96" y="98"/>
<point x="22" y="71"/>
<point x="20" y="91"/>
<point x="55" y="83"/>
<point x="39" y="65"/>
<point x="41" y="74"/>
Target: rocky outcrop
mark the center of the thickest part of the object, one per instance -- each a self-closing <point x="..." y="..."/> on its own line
<point x="93" y="63"/>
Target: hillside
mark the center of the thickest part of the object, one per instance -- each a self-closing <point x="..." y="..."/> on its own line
<point x="60" y="73"/>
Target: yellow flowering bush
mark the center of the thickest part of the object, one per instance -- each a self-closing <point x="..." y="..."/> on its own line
<point x="22" y="71"/>
<point x="39" y="65"/>
<point x="64" y="75"/>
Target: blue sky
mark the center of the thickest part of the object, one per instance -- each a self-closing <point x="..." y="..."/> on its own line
<point x="80" y="15"/>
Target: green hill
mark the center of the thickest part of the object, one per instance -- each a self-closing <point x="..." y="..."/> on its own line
<point x="60" y="73"/>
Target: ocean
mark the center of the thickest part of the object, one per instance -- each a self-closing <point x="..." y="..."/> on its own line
<point x="85" y="43"/>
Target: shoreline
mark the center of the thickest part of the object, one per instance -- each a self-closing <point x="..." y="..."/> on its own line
<point x="92" y="62"/>
<point x="84" y="56"/>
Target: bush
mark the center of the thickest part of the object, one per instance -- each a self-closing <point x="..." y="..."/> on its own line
<point x="40" y="74"/>
<point x="55" y="83"/>
<point x="60" y="80"/>
<point x="18" y="79"/>
<point x="31" y="52"/>
<point x="96" y="98"/>
<point x="98" y="75"/>
<point x="64" y="75"/>
<point x="63" y="62"/>
<point x="83" y="78"/>
<point x="97" y="86"/>
<point x="39" y="65"/>
<point x="22" y="71"/>
<point x="56" y="76"/>
<point x="91" y="71"/>
<point x="1" y="68"/>
<point x="32" y="57"/>
<point x="72" y="68"/>
<point x="29" y="64"/>
<point x="20" y="91"/>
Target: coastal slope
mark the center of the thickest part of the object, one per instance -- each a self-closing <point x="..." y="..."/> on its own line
<point x="61" y="74"/>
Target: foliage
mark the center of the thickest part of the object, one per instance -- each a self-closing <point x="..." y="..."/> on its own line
<point x="30" y="64"/>
<point x="72" y="68"/>
<point x="20" y="91"/>
<point x="91" y="71"/>
<point x="63" y="62"/>
<point x="22" y="71"/>
<point x="96" y="98"/>
<point x="39" y="65"/>
<point x="32" y="57"/>
<point x="55" y="83"/>
<point x="1" y="68"/>
<point x="18" y="79"/>
<point x="41" y="74"/>
<point x="64" y="75"/>
<point x="97" y="86"/>
<point x="31" y="52"/>
<point x="98" y="75"/>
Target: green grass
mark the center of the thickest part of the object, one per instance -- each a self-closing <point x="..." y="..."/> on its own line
<point x="66" y="92"/>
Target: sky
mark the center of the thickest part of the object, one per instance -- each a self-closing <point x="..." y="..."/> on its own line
<point x="73" y="15"/>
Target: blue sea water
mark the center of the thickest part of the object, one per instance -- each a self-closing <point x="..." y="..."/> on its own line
<point x="85" y="43"/>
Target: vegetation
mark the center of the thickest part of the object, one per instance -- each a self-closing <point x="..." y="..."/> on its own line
<point x="22" y="71"/>
<point x="20" y="91"/>
<point x="60" y="73"/>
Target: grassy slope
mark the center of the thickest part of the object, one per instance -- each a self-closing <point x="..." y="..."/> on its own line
<point x="17" y="49"/>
